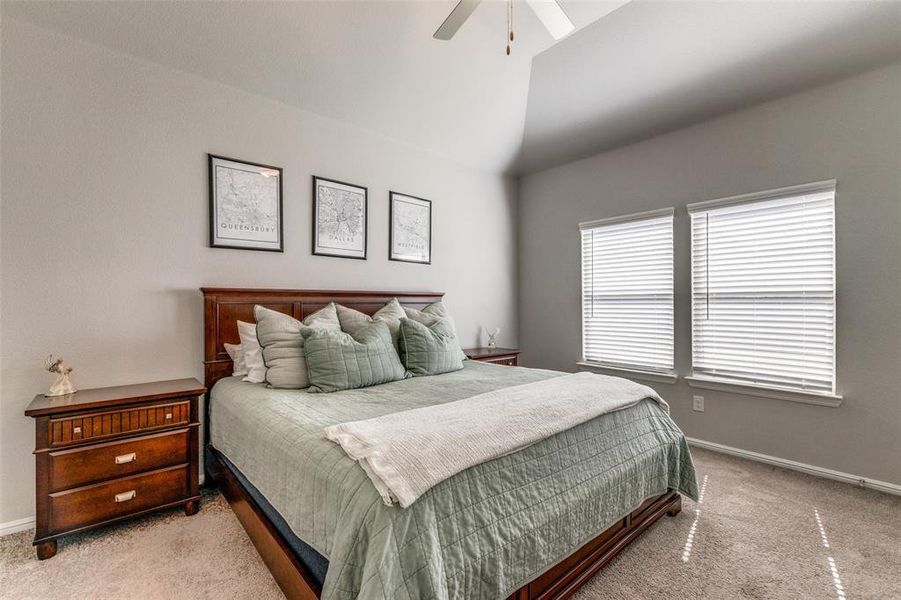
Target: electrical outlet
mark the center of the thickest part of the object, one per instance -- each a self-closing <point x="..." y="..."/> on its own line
<point x="697" y="403"/>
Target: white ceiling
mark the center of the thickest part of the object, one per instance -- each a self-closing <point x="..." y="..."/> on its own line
<point x="372" y="64"/>
<point x="645" y="68"/>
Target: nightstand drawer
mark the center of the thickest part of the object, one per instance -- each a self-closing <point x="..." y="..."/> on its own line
<point x="87" y="464"/>
<point x="89" y="505"/>
<point x="509" y="361"/>
<point x="498" y="356"/>
<point x="71" y="430"/>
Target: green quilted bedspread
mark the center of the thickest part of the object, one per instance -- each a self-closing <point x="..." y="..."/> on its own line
<point x="480" y="534"/>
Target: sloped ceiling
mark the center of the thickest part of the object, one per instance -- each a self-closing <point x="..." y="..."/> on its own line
<point x="645" y="68"/>
<point x="651" y="67"/>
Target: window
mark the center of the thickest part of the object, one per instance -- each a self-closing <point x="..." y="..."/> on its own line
<point x="763" y="289"/>
<point x="627" y="292"/>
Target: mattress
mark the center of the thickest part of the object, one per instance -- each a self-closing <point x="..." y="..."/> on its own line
<point x="480" y="534"/>
<point x="315" y="563"/>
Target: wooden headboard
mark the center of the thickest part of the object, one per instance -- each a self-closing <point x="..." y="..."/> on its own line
<point x="224" y="307"/>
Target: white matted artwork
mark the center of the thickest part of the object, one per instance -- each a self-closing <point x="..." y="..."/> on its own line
<point x="410" y="229"/>
<point x="245" y="205"/>
<point x="340" y="216"/>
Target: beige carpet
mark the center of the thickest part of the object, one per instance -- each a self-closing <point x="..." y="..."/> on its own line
<point x="759" y="532"/>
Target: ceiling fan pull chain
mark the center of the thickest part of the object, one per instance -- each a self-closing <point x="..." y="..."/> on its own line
<point x="509" y="25"/>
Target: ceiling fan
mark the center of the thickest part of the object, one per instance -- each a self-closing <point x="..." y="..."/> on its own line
<point x="548" y="12"/>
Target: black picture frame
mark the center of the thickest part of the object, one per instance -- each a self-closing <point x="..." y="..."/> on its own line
<point x="215" y="240"/>
<point x="316" y="247"/>
<point x="398" y="197"/>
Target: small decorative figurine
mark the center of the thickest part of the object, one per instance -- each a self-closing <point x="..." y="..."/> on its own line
<point x="62" y="385"/>
<point x="492" y="338"/>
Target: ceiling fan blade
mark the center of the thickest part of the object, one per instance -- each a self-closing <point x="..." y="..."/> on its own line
<point x="455" y="19"/>
<point x="552" y="16"/>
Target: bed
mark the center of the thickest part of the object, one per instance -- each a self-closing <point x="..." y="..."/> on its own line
<point x="537" y="523"/>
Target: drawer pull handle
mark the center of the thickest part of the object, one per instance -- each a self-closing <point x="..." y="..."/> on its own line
<point x="76" y="430"/>
<point x="126" y="458"/>
<point x="126" y="496"/>
<point x="168" y="416"/>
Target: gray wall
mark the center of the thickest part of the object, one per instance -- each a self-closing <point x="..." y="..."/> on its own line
<point x="850" y="131"/>
<point x="104" y="222"/>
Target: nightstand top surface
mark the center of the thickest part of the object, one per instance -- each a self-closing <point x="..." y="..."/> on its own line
<point x="114" y="396"/>
<point x="476" y="353"/>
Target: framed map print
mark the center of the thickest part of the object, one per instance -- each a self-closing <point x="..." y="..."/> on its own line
<point x="245" y="205"/>
<point x="340" y="216"/>
<point x="410" y="229"/>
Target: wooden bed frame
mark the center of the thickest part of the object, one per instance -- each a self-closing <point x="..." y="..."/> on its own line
<point x="223" y="307"/>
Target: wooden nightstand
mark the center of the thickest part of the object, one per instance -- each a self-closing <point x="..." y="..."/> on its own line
<point x="111" y="453"/>
<point x="498" y="356"/>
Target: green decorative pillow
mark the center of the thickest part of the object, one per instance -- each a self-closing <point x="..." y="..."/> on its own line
<point x="282" y="343"/>
<point x="428" y="315"/>
<point x="429" y="349"/>
<point x="353" y="320"/>
<point x="339" y="361"/>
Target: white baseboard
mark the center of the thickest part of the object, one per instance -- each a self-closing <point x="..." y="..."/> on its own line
<point x="882" y="486"/>
<point x="16" y="526"/>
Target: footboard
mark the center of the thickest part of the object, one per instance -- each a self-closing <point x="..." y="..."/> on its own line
<point x="559" y="582"/>
<point x="567" y="576"/>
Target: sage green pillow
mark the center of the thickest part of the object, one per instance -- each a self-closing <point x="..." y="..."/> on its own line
<point x="429" y="349"/>
<point x="428" y="315"/>
<point x="340" y="361"/>
<point x="353" y="320"/>
<point x="282" y="343"/>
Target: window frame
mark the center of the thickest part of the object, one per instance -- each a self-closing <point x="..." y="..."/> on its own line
<point x="700" y="379"/>
<point x="634" y="371"/>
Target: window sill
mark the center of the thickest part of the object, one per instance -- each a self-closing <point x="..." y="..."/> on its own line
<point x="660" y="377"/>
<point x="764" y="391"/>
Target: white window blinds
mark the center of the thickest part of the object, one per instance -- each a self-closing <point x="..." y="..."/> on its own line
<point x="627" y="291"/>
<point x="763" y="288"/>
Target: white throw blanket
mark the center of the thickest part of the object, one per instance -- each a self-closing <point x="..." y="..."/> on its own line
<point x="406" y="453"/>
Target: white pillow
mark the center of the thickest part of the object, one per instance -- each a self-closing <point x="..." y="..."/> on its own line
<point x="253" y="353"/>
<point x="239" y="365"/>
